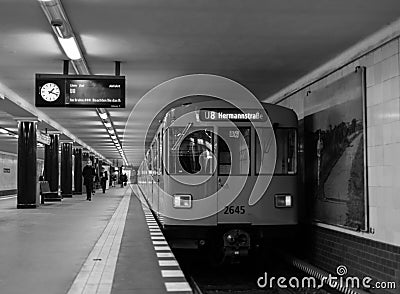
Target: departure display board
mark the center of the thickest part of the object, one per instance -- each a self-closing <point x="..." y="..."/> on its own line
<point x="80" y="91"/>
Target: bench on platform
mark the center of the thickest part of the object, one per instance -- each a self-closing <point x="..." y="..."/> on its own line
<point x="46" y="194"/>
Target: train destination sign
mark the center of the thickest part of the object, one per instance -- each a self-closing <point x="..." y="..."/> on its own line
<point x="80" y="91"/>
<point x="232" y="114"/>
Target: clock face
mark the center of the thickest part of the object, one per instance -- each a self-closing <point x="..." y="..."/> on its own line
<point x="50" y="92"/>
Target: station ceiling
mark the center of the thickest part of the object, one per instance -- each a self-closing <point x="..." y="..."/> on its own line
<point x="263" y="44"/>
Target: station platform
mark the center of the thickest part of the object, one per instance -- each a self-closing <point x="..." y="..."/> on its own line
<point x="111" y="244"/>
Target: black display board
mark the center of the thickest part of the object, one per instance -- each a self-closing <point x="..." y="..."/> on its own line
<point x="52" y="90"/>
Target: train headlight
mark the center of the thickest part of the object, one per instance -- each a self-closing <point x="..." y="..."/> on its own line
<point x="183" y="201"/>
<point x="283" y="200"/>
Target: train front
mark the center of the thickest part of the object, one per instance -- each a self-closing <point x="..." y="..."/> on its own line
<point x="229" y="178"/>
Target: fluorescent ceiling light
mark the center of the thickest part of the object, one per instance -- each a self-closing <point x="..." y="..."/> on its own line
<point x="3" y="131"/>
<point x="59" y="31"/>
<point x="70" y="48"/>
<point x="103" y="115"/>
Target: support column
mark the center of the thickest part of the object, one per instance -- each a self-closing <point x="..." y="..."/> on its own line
<point x="27" y="181"/>
<point x="78" y="171"/>
<point x="51" y="168"/>
<point x="85" y="158"/>
<point x="97" y="167"/>
<point x="97" y="172"/>
<point x="66" y="169"/>
<point x="100" y="166"/>
<point x="119" y="176"/>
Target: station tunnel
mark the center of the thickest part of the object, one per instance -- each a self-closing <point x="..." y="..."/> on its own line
<point x="251" y="133"/>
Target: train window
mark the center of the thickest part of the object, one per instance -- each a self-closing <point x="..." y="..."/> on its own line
<point x="286" y="151"/>
<point x="234" y="151"/>
<point x="160" y="151"/>
<point x="194" y="154"/>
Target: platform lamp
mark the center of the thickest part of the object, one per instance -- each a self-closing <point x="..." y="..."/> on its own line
<point x="56" y="16"/>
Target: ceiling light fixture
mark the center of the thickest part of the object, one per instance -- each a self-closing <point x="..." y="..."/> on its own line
<point x="103" y="115"/>
<point x="3" y="131"/>
<point x="70" y="48"/>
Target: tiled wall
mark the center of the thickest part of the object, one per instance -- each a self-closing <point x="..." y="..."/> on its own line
<point x="383" y="114"/>
<point x="383" y="136"/>
<point x="8" y="181"/>
<point x="369" y="253"/>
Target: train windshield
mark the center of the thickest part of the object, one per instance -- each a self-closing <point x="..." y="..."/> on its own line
<point x="192" y="154"/>
<point x="234" y="151"/>
<point x="286" y="151"/>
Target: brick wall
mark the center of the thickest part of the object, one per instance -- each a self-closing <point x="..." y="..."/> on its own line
<point x="363" y="257"/>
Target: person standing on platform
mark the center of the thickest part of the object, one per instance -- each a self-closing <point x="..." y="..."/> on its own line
<point x="103" y="182"/>
<point x="121" y="180"/>
<point x="88" y="173"/>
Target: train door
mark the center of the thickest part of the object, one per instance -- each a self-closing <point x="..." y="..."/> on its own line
<point x="234" y="180"/>
<point x="191" y="165"/>
<point x="153" y="172"/>
<point x="160" y="170"/>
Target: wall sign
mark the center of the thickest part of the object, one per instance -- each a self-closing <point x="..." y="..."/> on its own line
<point x="6" y="170"/>
<point x="43" y="138"/>
<point x="54" y="90"/>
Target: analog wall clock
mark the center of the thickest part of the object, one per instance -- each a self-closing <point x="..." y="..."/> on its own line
<point x="50" y="92"/>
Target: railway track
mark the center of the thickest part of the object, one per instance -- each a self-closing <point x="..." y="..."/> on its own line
<point x="228" y="290"/>
<point x="240" y="278"/>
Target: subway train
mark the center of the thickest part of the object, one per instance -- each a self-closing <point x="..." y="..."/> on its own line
<point x="206" y="162"/>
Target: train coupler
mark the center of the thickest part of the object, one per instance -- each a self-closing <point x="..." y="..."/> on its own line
<point x="236" y="243"/>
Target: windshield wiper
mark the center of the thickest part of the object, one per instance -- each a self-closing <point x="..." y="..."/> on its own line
<point x="183" y="135"/>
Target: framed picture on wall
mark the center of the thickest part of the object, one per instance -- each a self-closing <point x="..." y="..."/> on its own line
<point x="335" y="152"/>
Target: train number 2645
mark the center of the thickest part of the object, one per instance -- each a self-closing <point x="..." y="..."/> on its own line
<point x="233" y="209"/>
